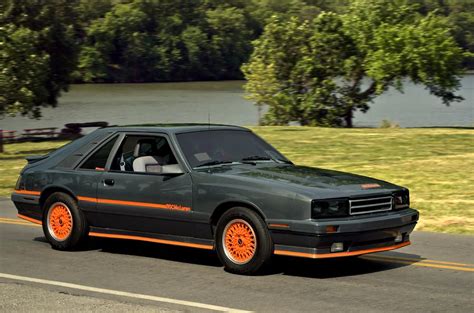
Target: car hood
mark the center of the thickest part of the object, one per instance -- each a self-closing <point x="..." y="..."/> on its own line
<point x="307" y="179"/>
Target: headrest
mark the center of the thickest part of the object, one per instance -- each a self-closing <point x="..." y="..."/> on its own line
<point x="145" y="147"/>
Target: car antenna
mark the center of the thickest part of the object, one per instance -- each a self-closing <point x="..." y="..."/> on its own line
<point x="208" y="128"/>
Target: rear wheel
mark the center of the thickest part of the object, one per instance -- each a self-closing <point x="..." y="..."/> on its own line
<point x="243" y="242"/>
<point x="64" y="224"/>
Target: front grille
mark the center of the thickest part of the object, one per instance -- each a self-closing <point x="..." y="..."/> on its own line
<point x="370" y="205"/>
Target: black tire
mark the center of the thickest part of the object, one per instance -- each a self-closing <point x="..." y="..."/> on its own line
<point x="67" y="237"/>
<point x="260" y="250"/>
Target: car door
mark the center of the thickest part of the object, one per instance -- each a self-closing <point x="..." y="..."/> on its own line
<point x="88" y="174"/>
<point x="145" y="200"/>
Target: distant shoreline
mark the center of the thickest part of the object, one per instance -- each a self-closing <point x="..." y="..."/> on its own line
<point x="466" y="72"/>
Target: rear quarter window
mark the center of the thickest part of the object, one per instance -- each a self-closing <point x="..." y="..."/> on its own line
<point x="99" y="158"/>
<point x="70" y="154"/>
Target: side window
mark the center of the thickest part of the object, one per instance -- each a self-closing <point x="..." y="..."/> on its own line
<point x="143" y="154"/>
<point x="99" y="158"/>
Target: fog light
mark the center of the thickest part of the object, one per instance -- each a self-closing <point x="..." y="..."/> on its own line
<point x="337" y="247"/>
<point x="399" y="237"/>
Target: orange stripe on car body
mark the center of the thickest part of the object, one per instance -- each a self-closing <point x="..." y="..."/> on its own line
<point x="27" y="192"/>
<point x="167" y="206"/>
<point x="87" y="199"/>
<point x="30" y="219"/>
<point x="370" y="186"/>
<point x="148" y="239"/>
<point x="279" y="225"/>
<point x="338" y="254"/>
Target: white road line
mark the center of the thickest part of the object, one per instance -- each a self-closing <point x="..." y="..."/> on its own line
<point x="122" y="293"/>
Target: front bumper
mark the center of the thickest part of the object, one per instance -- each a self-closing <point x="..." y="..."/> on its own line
<point x="359" y="235"/>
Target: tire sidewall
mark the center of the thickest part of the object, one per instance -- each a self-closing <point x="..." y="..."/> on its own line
<point x="264" y="247"/>
<point x="79" y="226"/>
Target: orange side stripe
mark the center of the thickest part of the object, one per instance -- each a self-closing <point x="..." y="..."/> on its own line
<point x="27" y="192"/>
<point x="88" y="199"/>
<point x="33" y="220"/>
<point x="339" y="254"/>
<point x="163" y="241"/>
<point x="279" y="225"/>
<point x="173" y="207"/>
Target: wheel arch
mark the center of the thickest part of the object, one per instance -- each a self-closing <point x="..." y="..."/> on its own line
<point x="48" y="191"/>
<point x="227" y="205"/>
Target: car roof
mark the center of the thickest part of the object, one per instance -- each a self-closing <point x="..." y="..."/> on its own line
<point x="174" y="128"/>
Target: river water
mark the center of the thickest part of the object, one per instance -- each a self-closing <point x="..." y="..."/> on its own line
<point x="223" y="102"/>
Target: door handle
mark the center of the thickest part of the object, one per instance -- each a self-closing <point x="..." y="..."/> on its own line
<point x="109" y="182"/>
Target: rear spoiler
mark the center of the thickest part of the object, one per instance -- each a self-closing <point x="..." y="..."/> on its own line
<point x="36" y="158"/>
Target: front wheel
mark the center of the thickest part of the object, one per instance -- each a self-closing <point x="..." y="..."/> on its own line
<point x="64" y="224"/>
<point x="243" y="242"/>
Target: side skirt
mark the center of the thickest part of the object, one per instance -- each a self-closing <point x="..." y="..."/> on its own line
<point x="190" y="242"/>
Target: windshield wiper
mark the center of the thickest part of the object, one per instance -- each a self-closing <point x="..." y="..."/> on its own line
<point x="256" y="158"/>
<point x="284" y="161"/>
<point x="215" y="162"/>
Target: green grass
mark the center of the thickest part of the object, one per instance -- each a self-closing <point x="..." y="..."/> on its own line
<point x="12" y="160"/>
<point x="436" y="164"/>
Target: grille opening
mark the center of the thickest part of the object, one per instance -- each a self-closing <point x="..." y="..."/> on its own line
<point x="370" y="205"/>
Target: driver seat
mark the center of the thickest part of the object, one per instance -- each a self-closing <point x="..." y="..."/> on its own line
<point x="146" y="159"/>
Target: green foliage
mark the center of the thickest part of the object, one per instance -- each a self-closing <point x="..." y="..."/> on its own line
<point x="38" y="43"/>
<point x="166" y="40"/>
<point x="24" y="71"/>
<point x="319" y="72"/>
<point x="47" y="44"/>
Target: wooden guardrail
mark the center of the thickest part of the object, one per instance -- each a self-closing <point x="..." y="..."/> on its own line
<point x="45" y="131"/>
<point x="6" y="135"/>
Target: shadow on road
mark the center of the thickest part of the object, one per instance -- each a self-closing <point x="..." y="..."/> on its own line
<point x="337" y="267"/>
<point x="154" y="250"/>
<point x="320" y="269"/>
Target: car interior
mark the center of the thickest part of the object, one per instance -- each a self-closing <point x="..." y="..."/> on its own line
<point x="143" y="154"/>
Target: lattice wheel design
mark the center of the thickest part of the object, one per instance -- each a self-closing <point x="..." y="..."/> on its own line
<point x="59" y="221"/>
<point x="239" y="241"/>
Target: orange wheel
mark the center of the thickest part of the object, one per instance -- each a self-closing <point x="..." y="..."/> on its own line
<point x="239" y="241"/>
<point x="59" y="221"/>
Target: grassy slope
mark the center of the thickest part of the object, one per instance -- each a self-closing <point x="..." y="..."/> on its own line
<point x="13" y="160"/>
<point x="436" y="164"/>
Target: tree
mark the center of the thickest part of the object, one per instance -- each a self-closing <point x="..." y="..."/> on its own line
<point x="24" y="71"/>
<point x="229" y="41"/>
<point x="38" y="43"/>
<point x="461" y="17"/>
<point x="319" y="72"/>
<point x="166" y="40"/>
<point x="119" y="45"/>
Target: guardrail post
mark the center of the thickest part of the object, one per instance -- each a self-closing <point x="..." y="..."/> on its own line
<point x="1" y="140"/>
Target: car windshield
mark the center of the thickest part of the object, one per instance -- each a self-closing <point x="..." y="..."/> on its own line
<point x="217" y="147"/>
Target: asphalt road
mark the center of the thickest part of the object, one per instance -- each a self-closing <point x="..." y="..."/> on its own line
<point x="434" y="274"/>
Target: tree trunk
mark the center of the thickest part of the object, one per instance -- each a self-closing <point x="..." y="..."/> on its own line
<point x="348" y="118"/>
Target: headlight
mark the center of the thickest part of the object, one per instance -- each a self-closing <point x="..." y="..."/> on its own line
<point x="401" y="199"/>
<point x="329" y="208"/>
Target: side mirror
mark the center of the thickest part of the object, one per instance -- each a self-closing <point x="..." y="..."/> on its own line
<point x="172" y="169"/>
